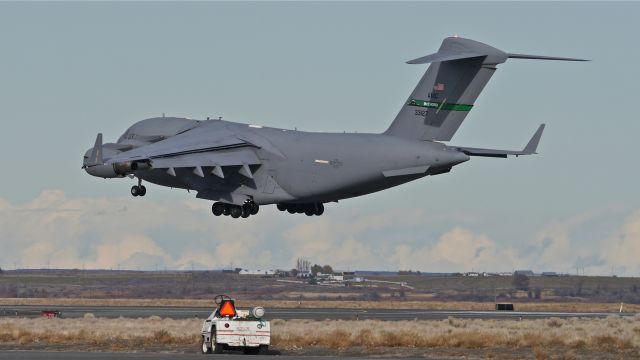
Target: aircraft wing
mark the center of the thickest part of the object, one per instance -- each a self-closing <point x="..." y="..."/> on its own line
<point x="207" y="146"/>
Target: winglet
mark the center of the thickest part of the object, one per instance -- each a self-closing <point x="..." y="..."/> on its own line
<point x="96" y="153"/>
<point x="532" y="145"/>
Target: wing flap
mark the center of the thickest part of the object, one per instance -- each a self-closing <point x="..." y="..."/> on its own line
<point x="213" y="158"/>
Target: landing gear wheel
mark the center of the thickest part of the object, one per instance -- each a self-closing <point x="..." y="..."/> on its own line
<point x="235" y="211"/>
<point x="310" y="211"/>
<point x="254" y="208"/>
<point x="143" y="190"/>
<point x="282" y="207"/>
<point x="227" y="210"/>
<point x="217" y="208"/>
<point x="135" y="190"/>
<point x="204" y="347"/>
<point x="246" y="211"/>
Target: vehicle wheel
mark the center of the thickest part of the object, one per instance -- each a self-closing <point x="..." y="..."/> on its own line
<point x="204" y="347"/>
<point x="217" y="348"/>
<point x="263" y="350"/>
<point x="282" y="207"/>
<point x="227" y="209"/>
<point x="217" y="208"/>
<point x="251" y="350"/>
<point x="319" y="209"/>
<point x="235" y="211"/>
<point x="143" y="190"/>
<point x="135" y="191"/>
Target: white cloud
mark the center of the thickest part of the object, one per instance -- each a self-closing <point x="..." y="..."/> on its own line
<point x="622" y="250"/>
<point x="456" y="250"/>
<point x="57" y="231"/>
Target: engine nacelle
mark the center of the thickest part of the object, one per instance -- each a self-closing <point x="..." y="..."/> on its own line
<point x="129" y="167"/>
<point x="103" y="171"/>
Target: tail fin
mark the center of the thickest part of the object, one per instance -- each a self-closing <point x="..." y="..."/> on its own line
<point x="447" y="91"/>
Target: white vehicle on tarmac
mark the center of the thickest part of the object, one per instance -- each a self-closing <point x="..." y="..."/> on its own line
<point x="230" y="329"/>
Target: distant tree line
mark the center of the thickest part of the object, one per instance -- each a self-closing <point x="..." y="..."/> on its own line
<point x="326" y="269"/>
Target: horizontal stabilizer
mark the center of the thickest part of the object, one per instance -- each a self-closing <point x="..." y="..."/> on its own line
<point x="538" y="57"/>
<point x="529" y="149"/>
<point x="444" y="56"/>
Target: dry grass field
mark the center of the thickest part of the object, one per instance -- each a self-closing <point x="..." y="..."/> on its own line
<point x="204" y="285"/>
<point x="333" y="304"/>
<point x="613" y="337"/>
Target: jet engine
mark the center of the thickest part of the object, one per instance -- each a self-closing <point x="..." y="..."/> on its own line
<point x="102" y="170"/>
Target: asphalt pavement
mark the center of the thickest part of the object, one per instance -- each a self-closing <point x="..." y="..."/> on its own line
<point x="54" y="355"/>
<point x="294" y="313"/>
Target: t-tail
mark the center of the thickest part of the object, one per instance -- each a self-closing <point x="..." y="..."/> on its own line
<point x="449" y="88"/>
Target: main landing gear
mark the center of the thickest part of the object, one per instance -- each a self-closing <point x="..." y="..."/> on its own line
<point x="235" y="211"/>
<point x="307" y="209"/>
<point x="138" y="190"/>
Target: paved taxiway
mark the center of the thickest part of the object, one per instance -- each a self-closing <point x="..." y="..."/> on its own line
<point x="312" y="314"/>
<point x="45" y="355"/>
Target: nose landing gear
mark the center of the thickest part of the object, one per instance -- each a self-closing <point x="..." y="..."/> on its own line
<point x="138" y="190"/>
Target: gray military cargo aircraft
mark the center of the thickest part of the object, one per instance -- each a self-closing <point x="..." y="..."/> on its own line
<point x="242" y="166"/>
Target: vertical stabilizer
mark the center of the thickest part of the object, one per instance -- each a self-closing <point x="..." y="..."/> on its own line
<point x="449" y="88"/>
<point x="447" y="91"/>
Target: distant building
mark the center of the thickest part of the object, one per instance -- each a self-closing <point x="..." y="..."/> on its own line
<point x="549" y="273"/>
<point x="257" y="272"/>
<point x="524" y="272"/>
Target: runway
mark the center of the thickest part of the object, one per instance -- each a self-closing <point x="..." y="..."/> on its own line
<point x="293" y="313"/>
<point x="53" y="355"/>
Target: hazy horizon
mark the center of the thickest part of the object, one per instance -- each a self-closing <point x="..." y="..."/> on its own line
<point x="71" y="70"/>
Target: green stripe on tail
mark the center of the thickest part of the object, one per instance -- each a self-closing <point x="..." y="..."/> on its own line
<point x="439" y="105"/>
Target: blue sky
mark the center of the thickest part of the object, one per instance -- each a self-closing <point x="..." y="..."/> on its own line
<point x="71" y="70"/>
